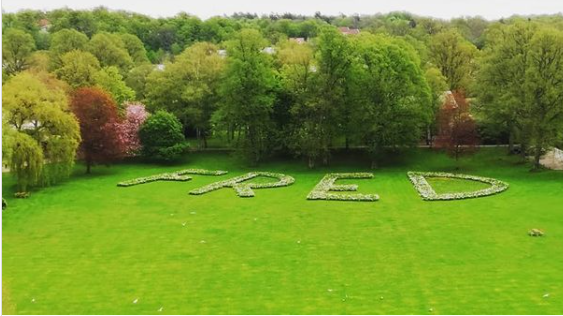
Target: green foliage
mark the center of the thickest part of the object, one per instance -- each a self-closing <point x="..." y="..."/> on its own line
<point x="247" y="93"/>
<point x="110" y="50"/>
<point x="26" y="161"/>
<point x="397" y="104"/>
<point x="109" y="79"/>
<point x="135" y="48"/>
<point x="136" y="79"/>
<point x="454" y="56"/>
<point x="16" y="48"/>
<point x="521" y="83"/>
<point x="188" y="87"/>
<point x="64" y="41"/>
<point x="161" y="137"/>
<point x="78" y="69"/>
<point x="37" y="105"/>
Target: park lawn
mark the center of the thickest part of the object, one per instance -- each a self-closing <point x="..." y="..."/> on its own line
<point x="452" y="185"/>
<point x="89" y="247"/>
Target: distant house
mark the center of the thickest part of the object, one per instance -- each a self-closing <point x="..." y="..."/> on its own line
<point x="348" y="31"/>
<point x="269" y="50"/>
<point x="299" y="40"/>
<point x="160" y="67"/>
<point x="44" y="24"/>
<point x="222" y="53"/>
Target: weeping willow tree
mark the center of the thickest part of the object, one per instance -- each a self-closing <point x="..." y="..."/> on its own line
<point x="36" y="104"/>
<point x="26" y="161"/>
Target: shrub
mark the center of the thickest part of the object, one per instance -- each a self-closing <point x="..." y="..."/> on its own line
<point x="162" y="138"/>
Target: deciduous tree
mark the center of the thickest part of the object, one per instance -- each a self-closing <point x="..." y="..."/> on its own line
<point x="457" y="130"/>
<point x="161" y="137"/>
<point x="394" y="97"/>
<point x="98" y="117"/>
<point x="78" y="69"/>
<point x="454" y="56"/>
<point x="248" y="93"/>
<point x="17" y="45"/>
<point x="109" y="79"/>
<point x="36" y="104"/>
<point x="128" y="128"/>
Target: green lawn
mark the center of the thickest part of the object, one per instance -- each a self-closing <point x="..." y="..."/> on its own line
<point x="87" y="246"/>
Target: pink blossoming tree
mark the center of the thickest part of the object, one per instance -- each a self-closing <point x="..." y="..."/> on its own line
<point x="128" y="129"/>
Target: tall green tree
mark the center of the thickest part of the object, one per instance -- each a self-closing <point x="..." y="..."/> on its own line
<point x="136" y="79"/>
<point x="135" y="48"/>
<point x="189" y="87"/>
<point x="297" y="73"/>
<point x="78" y="69"/>
<point x="37" y="105"/>
<point x="328" y="110"/>
<point x="248" y="93"/>
<point x="109" y="79"/>
<point x="110" y="50"/>
<point x="64" y="41"/>
<point x="522" y="84"/>
<point x="17" y="46"/>
<point x="26" y="161"/>
<point x="454" y="56"/>
<point x="396" y="107"/>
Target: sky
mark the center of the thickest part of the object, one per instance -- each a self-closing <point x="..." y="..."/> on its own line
<point x="446" y="9"/>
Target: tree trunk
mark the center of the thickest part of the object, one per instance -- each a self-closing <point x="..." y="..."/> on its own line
<point x="204" y="141"/>
<point x="311" y="162"/>
<point x="537" y="157"/>
<point x="88" y="166"/>
<point x="373" y="163"/>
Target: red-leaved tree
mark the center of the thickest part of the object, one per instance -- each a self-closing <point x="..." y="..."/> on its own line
<point x="457" y="132"/>
<point x="128" y="129"/>
<point x="98" y="116"/>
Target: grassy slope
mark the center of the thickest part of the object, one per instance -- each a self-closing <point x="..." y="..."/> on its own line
<point x="87" y="246"/>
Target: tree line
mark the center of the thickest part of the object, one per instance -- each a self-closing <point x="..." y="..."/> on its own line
<point x="77" y="81"/>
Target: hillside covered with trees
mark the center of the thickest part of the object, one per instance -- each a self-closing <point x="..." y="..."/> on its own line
<point x="105" y="85"/>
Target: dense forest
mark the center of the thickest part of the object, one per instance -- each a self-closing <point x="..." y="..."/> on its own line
<point x="109" y="84"/>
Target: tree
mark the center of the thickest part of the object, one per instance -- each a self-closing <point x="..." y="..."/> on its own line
<point x="544" y="91"/>
<point x="128" y="129"/>
<point x="37" y="105"/>
<point x="438" y="86"/>
<point x="109" y="79"/>
<point x="325" y="109"/>
<point x="297" y="75"/>
<point x="136" y="79"/>
<point x="135" y="48"/>
<point x="26" y="161"/>
<point x="248" y="93"/>
<point x="98" y="117"/>
<point x="78" y="69"/>
<point x="161" y="137"/>
<point x="16" y="48"/>
<point x="189" y="87"/>
<point x="457" y="130"/>
<point x="502" y="78"/>
<point x="110" y="50"/>
<point x="64" y="41"/>
<point x="396" y="107"/>
<point x="521" y="85"/>
<point x="454" y="56"/>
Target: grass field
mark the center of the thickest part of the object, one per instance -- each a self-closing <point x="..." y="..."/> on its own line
<point x="87" y="246"/>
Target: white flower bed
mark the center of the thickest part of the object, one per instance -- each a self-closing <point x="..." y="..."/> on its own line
<point x="245" y="189"/>
<point x="322" y="190"/>
<point x="181" y="175"/>
<point x="427" y="193"/>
